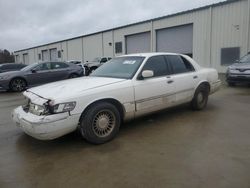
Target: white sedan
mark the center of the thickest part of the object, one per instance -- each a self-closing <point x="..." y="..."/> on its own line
<point x="124" y="88"/>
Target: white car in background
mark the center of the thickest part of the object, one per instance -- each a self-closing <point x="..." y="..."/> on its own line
<point x="96" y="62"/>
<point x="124" y="88"/>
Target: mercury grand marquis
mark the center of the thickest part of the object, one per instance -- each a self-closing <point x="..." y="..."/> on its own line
<point x="126" y="87"/>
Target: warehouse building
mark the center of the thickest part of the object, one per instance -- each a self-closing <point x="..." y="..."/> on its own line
<point x="215" y="36"/>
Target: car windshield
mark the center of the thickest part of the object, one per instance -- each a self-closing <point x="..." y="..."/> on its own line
<point x="245" y="59"/>
<point x="29" y="67"/>
<point x="120" y="67"/>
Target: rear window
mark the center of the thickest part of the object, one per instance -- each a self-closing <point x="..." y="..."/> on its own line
<point x="58" y="65"/>
<point x="180" y="64"/>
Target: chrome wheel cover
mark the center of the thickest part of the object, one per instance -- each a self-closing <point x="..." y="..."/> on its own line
<point x="104" y="123"/>
<point x="18" y="85"/>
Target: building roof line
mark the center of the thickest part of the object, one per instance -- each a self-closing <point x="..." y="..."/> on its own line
<point x="136" y="23"/>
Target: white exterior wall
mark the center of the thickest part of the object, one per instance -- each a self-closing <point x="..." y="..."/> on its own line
<point x="214" y="28"/>
<point x="92" y="47"/>
<point x="229" y="29"/>
<point x="74" y="49"/>
<point x="107" y="49"/>
<point x="64" y="51"/>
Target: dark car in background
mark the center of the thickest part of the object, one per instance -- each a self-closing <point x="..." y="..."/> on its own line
<point x="239" y="72"/>
<point x="37" y="74"/>
<point x="6" y="67"/>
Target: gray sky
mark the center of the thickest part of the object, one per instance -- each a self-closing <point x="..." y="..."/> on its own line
<point x="26" y="23"/>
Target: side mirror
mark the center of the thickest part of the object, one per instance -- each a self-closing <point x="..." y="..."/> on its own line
<point x="33" y="71"/>
<point x="147" y="74"/>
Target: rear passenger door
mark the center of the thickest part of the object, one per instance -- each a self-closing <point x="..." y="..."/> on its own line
<point x="184" y="77"/>
<point x="59" y="71"/>
<point x="157" y="92"/>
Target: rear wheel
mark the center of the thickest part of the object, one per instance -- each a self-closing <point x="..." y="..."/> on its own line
<point x="200" y="99"/>
<point x="100" y="123"/>
<point x="18" y="84"/>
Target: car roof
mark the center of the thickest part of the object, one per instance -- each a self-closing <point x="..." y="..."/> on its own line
<point x="149" y="54"/>
<point x="11" y="64"/>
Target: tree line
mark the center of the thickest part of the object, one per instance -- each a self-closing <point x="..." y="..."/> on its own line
<point x="6" y="56"/>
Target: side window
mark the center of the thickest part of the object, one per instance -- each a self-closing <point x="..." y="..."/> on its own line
<point x="158" y="65"/>
<point x="42" y="67"/>
<point x="14" y="67"/>
<point x="3" y="67"/>
<point x="21" y="66"/>
<point x="188" y="65"/>
<point x="6" y="67"/>
<point x="58" y="65"/>
<point x="180" y="64"/>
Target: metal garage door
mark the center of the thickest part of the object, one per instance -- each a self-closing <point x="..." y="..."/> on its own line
<point x="175" y="39"/>
<point x="25" y="59"/>
<point x="138" y="43"/>
<point x="45" y="55"/>
<point x="53" y="54"/>
<point x="17" y="59"/>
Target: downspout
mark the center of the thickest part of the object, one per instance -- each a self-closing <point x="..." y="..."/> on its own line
<point x="210" y="36"/>
<point x="248" y="25"/>
<point x="152" y="37"/>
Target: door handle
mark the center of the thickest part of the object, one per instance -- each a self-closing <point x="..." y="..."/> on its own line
<point x="170" y="81"/>
<point x="195" y="77"/>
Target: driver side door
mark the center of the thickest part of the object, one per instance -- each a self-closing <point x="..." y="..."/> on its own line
<point x="157" y="92"/>
<point x="41" y="74"/>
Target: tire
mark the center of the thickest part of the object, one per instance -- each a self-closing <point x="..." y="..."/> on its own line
<point x="73" y="75"/>
<point x="18" y="85"/>
<point x="100" y="123"/>
<point x="230" y="84"/>
<point x="200" y="99"/>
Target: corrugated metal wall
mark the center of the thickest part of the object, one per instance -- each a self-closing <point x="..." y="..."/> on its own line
<point x="214" y="28"/>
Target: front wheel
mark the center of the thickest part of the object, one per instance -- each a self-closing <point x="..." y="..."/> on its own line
<point x="200" y="99"/>
<point x="18" y="84"/>
<point x="100" y="123"/>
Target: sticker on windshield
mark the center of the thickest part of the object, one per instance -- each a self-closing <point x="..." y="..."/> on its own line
<point x="129" y="62"/>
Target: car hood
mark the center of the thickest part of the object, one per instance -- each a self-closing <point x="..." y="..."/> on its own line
<point x="241" y="65"/>
<point x="71" y="87"/>
<point x="11" y="73"/>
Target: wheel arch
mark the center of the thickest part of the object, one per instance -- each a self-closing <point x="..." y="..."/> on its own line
<point x="113" y="101"/>
<point x="203" y="82"/>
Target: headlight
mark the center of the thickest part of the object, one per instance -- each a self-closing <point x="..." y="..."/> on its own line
<point x="63" y="107"/>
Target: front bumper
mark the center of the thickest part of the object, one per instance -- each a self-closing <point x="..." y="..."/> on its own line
<point x="45" y="127"/>
<point x="238" y="78"/>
